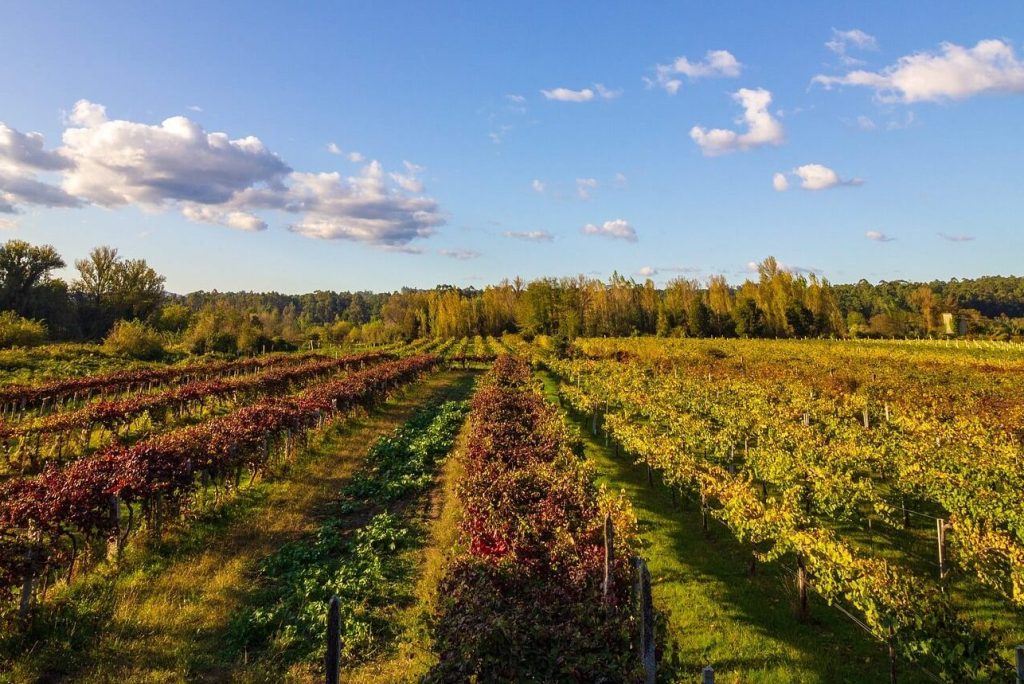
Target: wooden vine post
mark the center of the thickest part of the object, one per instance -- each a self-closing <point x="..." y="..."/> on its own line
<point x="642" y="592"/>
<point x="332" y="661"/>
<point x="802" y="611"/>
<point x="940" y="533"/>
<point x="609" y="558"/>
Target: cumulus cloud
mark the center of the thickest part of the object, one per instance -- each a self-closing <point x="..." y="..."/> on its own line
<point x="618" y="229"/>
<point x="953" y="73"/>
<point x="842" y="42"/>
<point x="460" y="254"/>
<point x="210" y="178"/>
<point x="25" y="151"/>
<point x="356" y="157"/>
<point x="537" y="185"/>
<point x="530" y="235"/>
<point x="647" y="271"/>
<point x="569" y="95"/>
<point x="814" y="177"/>
<point x="584" y="186"/>
<point x="716" y="64"/>
<point x="762" y="127"/>
<point x="120" y="162"/>
<point x="878" y="236"/>
<point x="334" y="149"/>
<point x="956" y="238"/>
<point x="22" y="157"/>
<point x="620" y="180"/>
<point x="361" y="208"/>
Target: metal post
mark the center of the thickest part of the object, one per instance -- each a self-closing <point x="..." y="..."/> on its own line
<point x="707" y="676"/>
<point x="1020" y="664"/>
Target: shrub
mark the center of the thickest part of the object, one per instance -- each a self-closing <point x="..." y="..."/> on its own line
<point x="134" y="339"/>
<point x="16" y="331"/>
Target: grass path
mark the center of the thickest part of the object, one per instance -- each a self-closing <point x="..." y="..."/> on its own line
<point x="413" y="656"/>
<point x="164" y="616"/>
<point x="714" y="612"/>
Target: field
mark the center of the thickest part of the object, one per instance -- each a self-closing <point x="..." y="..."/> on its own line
<point x="808" y="511"/>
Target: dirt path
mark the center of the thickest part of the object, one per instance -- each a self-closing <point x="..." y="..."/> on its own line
<point x="168" y="618"/>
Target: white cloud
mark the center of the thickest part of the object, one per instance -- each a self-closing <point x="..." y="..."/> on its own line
<point x="816" y="177"/>
<point x="584" y="186"/>
<point x="24" y="151"/>
<point x="878" y="236"/>
<point x="334" y="149"/>
<point x="195" y="108"/>
<point x="620" y="180"/>
<point x="843" y="41"/>
<point x="8" y="224"/>
<point x="956" y="238"/>
<point x="716" y="64"/>
<point x="87" y="114"/>
<point x="813" y="177"/>
<point x="618" y="229"/>
<point x="122" y="162"/>
<point x="537" y="185"/>
<point x="356" y="157"/>
<point x="954" y="73"/>
<point x="568" y="95"/>
<point x="606" y="93"/>
<point x="647" y="271"/>
<point x="762" y="127"/>
<point x="460" y="254"/>
<point x="239" y="220"/>
<point x="360" y="208"/>
<point x="408" y="181"/>
<point x="530" y="235"/>
<point x="516" y="99"/>
<point x="211" y="178"/>
<point x="22" y="157"/>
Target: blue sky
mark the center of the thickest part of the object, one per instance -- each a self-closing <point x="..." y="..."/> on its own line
<point x="526" y="139"/>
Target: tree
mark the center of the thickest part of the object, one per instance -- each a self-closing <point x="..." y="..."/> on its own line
<point x="23" y="269"/>
<point x="111" y="288"/>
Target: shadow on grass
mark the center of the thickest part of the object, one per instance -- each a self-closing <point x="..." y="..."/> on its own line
<point x="78" y="628"/>
<point x="713" y="611"/>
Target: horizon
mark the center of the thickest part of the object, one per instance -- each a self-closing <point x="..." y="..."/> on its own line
<point x="374" y="148"/>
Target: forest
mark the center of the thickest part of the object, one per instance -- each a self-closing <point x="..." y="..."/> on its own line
<point x="774" y="302"/>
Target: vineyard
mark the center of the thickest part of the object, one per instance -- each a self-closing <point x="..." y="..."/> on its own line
<point x="480" y="509"/>
<point x="886" y="480"/>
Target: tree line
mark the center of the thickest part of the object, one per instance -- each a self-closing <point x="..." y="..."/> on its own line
<point x="775" y="303"/>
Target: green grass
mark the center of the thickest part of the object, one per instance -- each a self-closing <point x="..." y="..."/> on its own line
<point x="164" y="613"/>
<point x="713" y="612"/>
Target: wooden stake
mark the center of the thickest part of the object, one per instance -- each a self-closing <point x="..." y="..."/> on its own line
<point x="609" y="558"/>
<point x="332" y="661"/>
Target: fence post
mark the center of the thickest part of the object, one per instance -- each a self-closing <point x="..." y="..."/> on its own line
<point x="1020" y="664"/>
<point x="333" y="660"/>
<point x="707" y="675"/>
<point x="609" y="557"/>
<point x="642" y="590"/>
